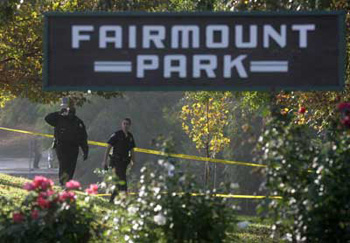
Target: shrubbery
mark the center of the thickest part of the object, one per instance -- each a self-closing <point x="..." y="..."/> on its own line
<point x="311" y="173"/>
<point x="165" y="210"/>
<point x="49" y="216"/>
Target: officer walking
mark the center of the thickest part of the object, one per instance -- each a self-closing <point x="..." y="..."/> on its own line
<point x="123" y="144"/>
<point x="70" y="134"/>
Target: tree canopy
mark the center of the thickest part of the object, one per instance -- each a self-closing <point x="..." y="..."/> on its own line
<point x="21" y="41"/>
<point x="319" y="106"/>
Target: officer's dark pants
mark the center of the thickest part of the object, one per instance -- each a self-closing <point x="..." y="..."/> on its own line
<point x="119" y="166"/>
<point x="67" y="155"/>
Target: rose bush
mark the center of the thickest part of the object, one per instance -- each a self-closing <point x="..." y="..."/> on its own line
<point x="310" y="171"/>
<point x="165" y="210"/>
<point x="49" y="216"/>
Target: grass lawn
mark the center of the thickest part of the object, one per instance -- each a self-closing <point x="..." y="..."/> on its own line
<point x="257" y="231"/>
<point x="11" y="188"/>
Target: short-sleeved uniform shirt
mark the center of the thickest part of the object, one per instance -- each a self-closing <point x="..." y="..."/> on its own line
<point x="121" y="144"/>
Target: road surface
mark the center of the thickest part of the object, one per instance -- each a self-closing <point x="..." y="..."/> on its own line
<point x="21" y="167"/>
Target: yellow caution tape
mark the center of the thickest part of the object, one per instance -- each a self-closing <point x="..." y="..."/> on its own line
<point x="97" y="143"/>
<point x="192" y="157"/>
<point x="27" y="132"/>
<point x="247" y="196"/>
<point x="155" y="152"/>
<point x="216" y="195"/>
<point x="198" y="194"/>
<point x="150" y="151"/>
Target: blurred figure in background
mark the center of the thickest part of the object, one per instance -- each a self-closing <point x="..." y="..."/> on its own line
<point x="50" y="157"/>
<point x="35" y="152"/>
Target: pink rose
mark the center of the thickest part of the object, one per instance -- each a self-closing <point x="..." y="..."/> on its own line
<point x="43" y="195"/>
<point x="93" y="189"/>
<point x="17" y="217"/>
<point x="89" y="191"/>
<point x="29" y="186"/>
<point x="47" y="184"/>
<point x="346" y="121"/>
<point x="38" y="180"/>
<point x="42" y="183"/>
<point x="46" y="194"/>
<point x="50" y="193"/>
<point x="35" y="214"/>
<point x="302" y="110"/>
<point x="71" y="185"/>
<point x="43" y="203"/>
<point x="343" y="106"/>
<point x="66" y="195"/>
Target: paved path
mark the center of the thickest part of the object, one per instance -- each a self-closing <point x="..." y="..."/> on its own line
<point x="14" y="163"/>
<point x="20" y="166"/>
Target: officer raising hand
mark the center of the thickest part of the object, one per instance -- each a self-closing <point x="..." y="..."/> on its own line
<point x="70" y="134"/>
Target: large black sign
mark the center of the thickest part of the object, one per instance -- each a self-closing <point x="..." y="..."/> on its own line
<point x="194" y="51"/>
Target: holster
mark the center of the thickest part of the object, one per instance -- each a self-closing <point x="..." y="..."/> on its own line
<point x="115" y="160"/>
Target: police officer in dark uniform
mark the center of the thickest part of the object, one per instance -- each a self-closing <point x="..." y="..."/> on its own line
<point x="70" y="134"/>
<point x="123" y="145"/>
